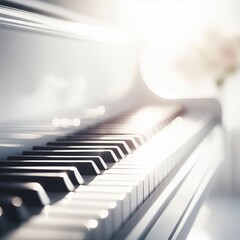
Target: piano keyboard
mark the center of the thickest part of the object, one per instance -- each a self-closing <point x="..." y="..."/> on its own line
<point x="88" y="184"/>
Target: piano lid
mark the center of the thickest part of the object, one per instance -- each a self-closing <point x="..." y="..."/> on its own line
<point x="50" y="65"/>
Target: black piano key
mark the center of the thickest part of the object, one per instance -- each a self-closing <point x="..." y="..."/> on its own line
<point x="121" y="144"/>
<point x="50" y="181"/>
<point x="117" y="151"/>
<point x="32" y="193"/>
<point x="14" y="208"/>
<point x="129" y="140"/>
<point x="84" y="167"/>
<point x="112" y="136"/>
<point x="97" y="160"/>
<point x="106" y="155"/>
<point x="72" y="172"/>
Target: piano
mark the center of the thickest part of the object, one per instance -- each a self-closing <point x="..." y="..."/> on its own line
<point x="87" y="151"/>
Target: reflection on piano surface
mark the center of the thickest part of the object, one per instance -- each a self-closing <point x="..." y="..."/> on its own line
<point x="87" y="151"/>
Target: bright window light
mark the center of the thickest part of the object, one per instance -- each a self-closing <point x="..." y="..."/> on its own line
<point x="171" y="31"/>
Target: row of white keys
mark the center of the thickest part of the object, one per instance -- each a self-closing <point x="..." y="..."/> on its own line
<point x="133" y="176"/>
<point x="127" y="184"/>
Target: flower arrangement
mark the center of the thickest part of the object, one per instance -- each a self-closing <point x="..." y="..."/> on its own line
<point x="216" y="58"/>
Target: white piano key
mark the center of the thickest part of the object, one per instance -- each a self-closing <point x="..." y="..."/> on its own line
<point x="116" y="184"/>
<point x="88" y="225"/>
<point x="153" y="169"/>
<point x="104" y="197"/>
<point x="82" y="214"/>
<point x="126" y="180"/>
<point x="135" y="176"/>
<point x="63" y="222"/>
<point x="133" y="169"/>
<point x="112" y="207"/>
<point x="106" y="189"/>
<point x="40" y="233"/>
<point x="103" y="214"/>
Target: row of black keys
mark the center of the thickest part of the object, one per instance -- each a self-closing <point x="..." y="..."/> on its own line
<point x="61" y="166"/>
<point x="24" y="178"/>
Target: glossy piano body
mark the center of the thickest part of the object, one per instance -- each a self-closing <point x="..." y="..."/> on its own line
<point x="59" y="77"/>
